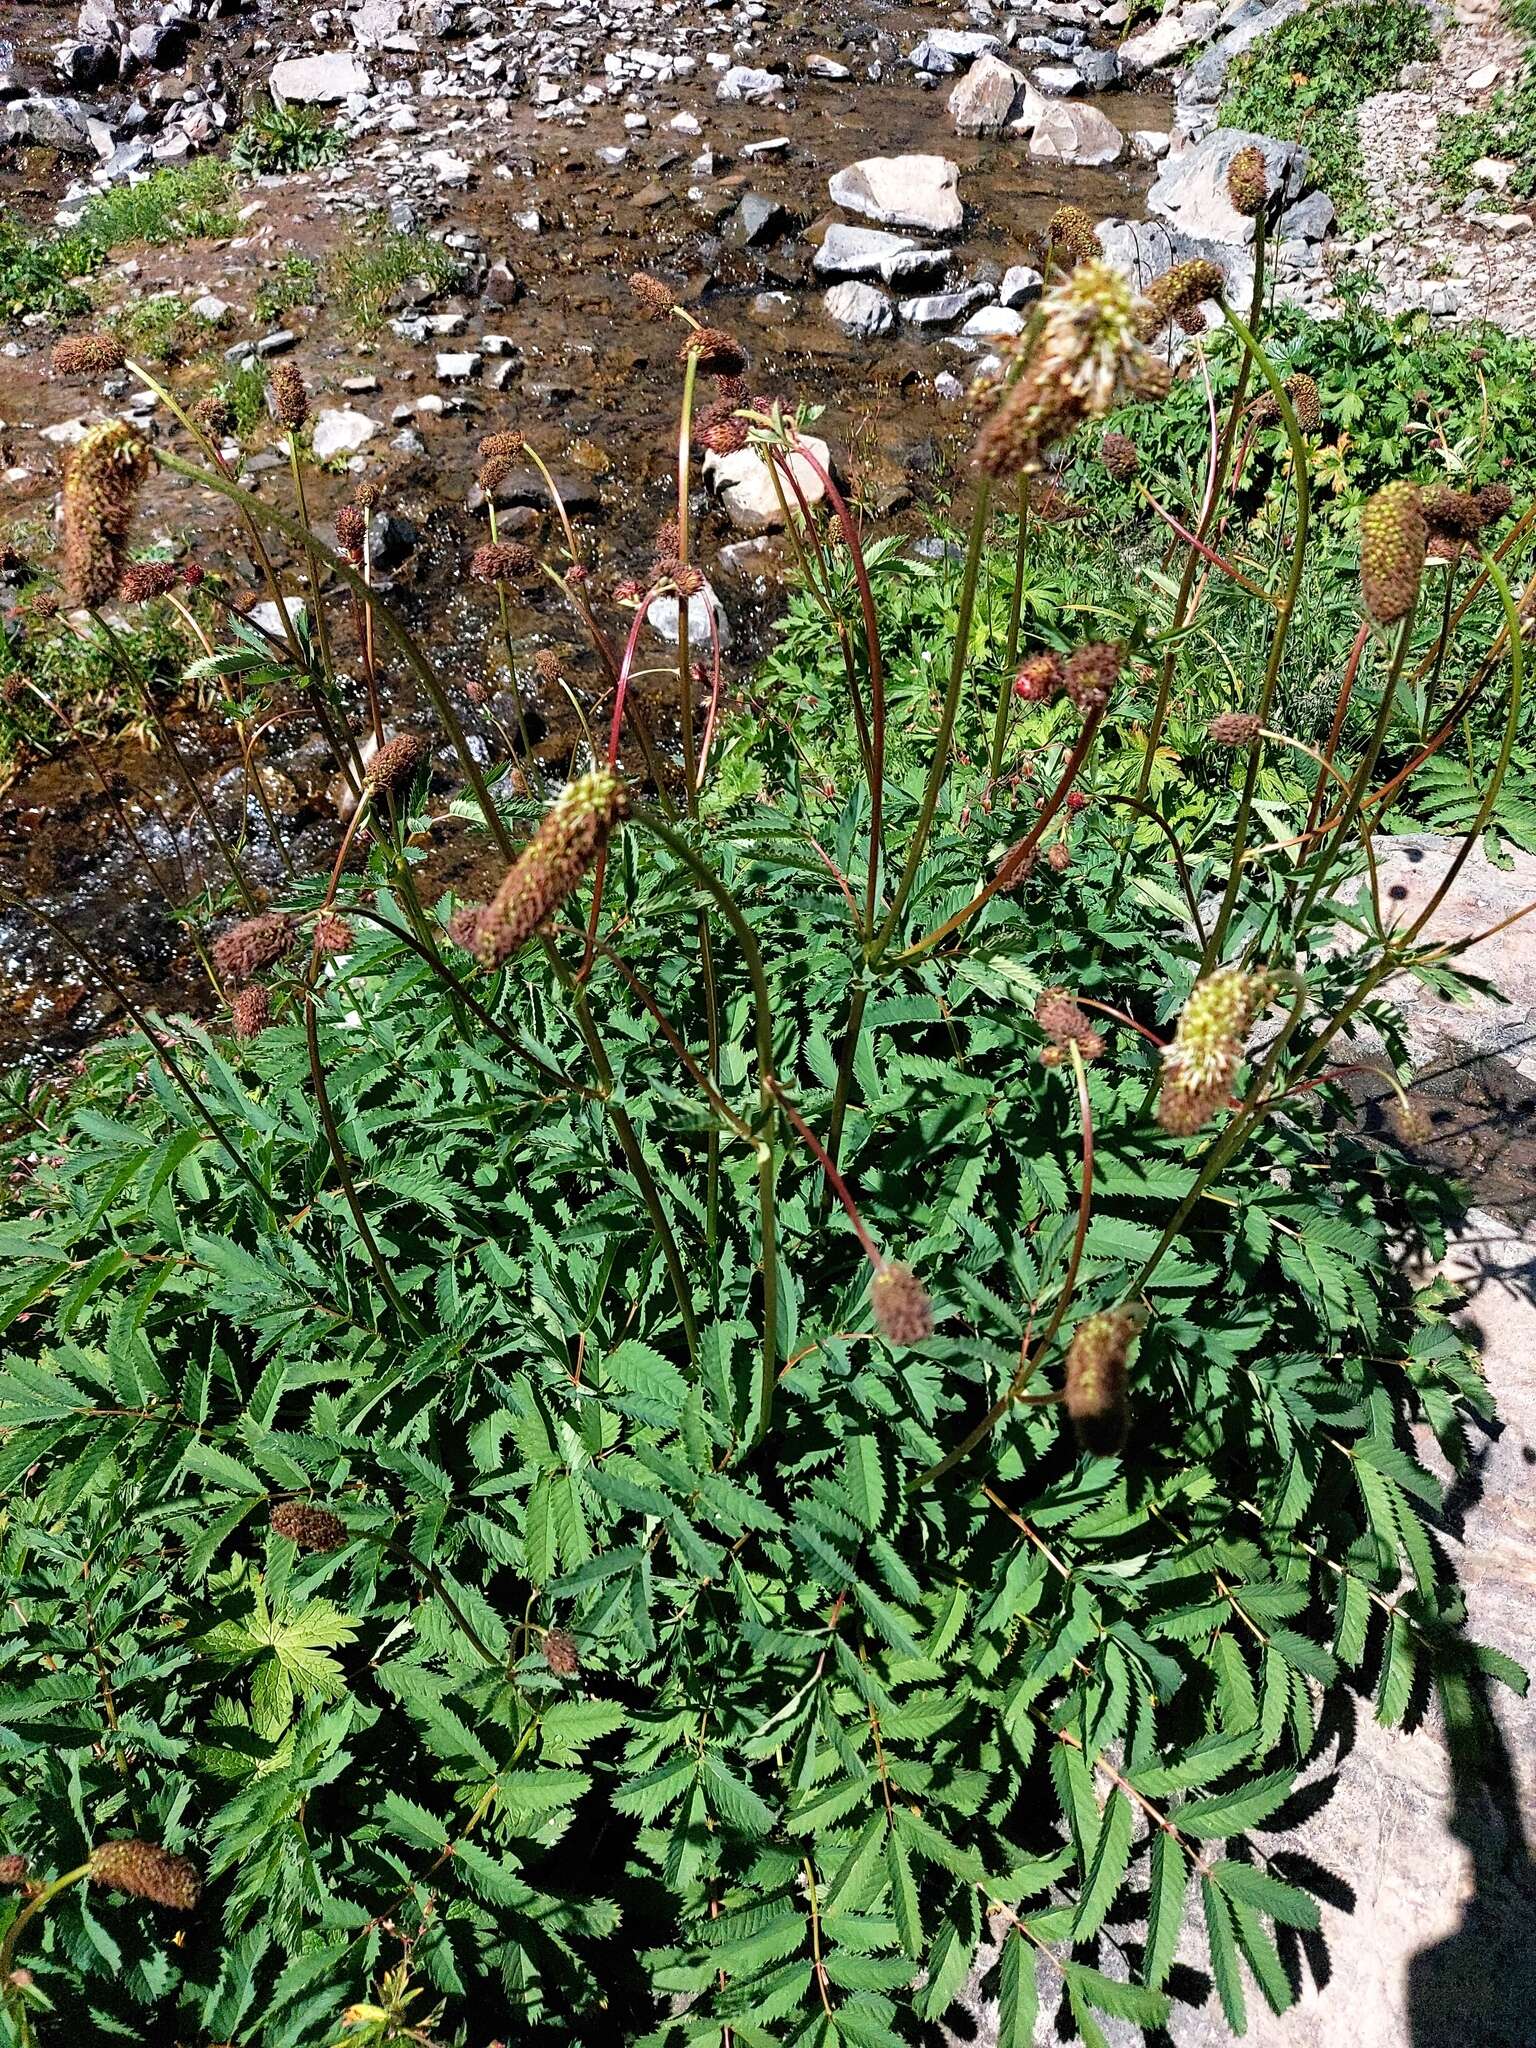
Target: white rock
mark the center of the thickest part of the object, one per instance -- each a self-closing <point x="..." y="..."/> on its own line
<point x="994" y="323"/>
<point x="861" y="311"/>
<point x="210" y="308"/>
<point x="746" y="488"/>
<point x="742" y="82"/>
<point x="1020" y="285"/>
<point x="448" y="169"/>
<point x="902" y="192"/>
<point x="1064" y="133"/>
<point x="1058" y="81"/>
<point x="341" y="432"/>
<point x="858" y="252"/>
<point x="984" y="100"/>
<point x="320" y="81"/>
<point x="458" y="367"/>
<point x="661" y="615"/>
<point x="1484" y="76"/>
<point x="826" y="67"/>
<point x="1170" y="37"/>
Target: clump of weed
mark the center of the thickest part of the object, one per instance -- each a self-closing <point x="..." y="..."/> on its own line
<point x="296" y="282"/>
<point x="162" y="329"/>
<point x="279" y="139"/>
<point x="366" y="278"/>
<point x="1505" y="130"/>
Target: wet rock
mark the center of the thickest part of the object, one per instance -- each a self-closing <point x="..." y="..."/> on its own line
<point x="322" y="81"/>
<point x="89" y="65"/>
<point x="757" y="219"/>
<point x="1098" y="69"/>
<point x="661" y="615"/>
<point x="903" y="192"/>
<point x="746" y="491"/>
<point x="943" y="309"/>
<point x="983" y="102"/>
<point x="391" y="539"/>
<point x="1058" y="81"/>
<point x="1191" y="190"/>
<point x="161" y="45"/>
<point x="944" y="51"/>
<point x="867" y="252"/>
<point x="48" y="123"/>
<point x="861" y="311"/>
<point x="743" y="82"/>
<point x="458" y="366"/>
<point x="341" y="431"/>
<point x="994" y="323"/>
<point x="1020" y="285"/>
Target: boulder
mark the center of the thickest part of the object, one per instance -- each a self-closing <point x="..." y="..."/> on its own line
<point x="946" y="50"/>
<point x="322" y="81"/>
<point x="1020" y="285"/>
<point x="861" y="311"/>
<point x="1063" y="132"/>
<point x="943" y="309"/>
<point x="1177" y="31"/>
<point x="984" y="100"/>
<point x="661" y="615"/>
<point x="757" y="219"/>
<point x="902" y="192"/>
<point x="89" y="65"/>
<point x="858" y="252"/>
<point x="1243" y="26"/>
<point x="1058" y="81"/>
<point x="1190" y="191"/>
<point x="746" y="488"/>
<point x="48" y="123"/>
<point x="1144" y="249"/>
<point x="994" y="323"/>
<point x="743" y="82"/>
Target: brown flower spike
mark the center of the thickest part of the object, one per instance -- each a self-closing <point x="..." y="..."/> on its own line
<point x="87" y="355"/>
<point x="1091" y="673"/>
<point x="903" y="1312"/>
<point x="146" y="1871"/>
<point x="1248" y="180"/>
<point x="101" y="488"/>
<point x="252" y="946"/>
<point x="1039" y="679"/>
<point x="1393" y="542"/>
<point x="719" y="354"/>
<point x="289" y="398"/>
<point x="503" y="561"/>
<point x="561" y="1653"/>
<point x="392" y="768"/>
<point x="141" y="582"/>
<point x="570" y="835"/>
<point x="1071" y="234"/>
<point x="250" y="1011"/>
<point x="1095" y="1391"/>
<point x="1235" y="728"/>
<point x="1182" y="289"/>
<point x="309" y="1528"/>
<point x="13" y="1871"/>
<point x="1120" y="456"/>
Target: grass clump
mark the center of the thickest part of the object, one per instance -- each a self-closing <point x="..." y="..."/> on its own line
<point x="366" y="278"/>
<point x="278" y="139"/>
<point x="162" y="329"/>
<point x="296" y="282"/>
<point x="1505" y="129"/>
<point x="54" y="685"/>
<point x="46" y="273"/>
<point x="1304" y="81"/>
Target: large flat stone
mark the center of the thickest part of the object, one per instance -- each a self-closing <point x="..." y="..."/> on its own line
<point x="322" y="81"/>
<point x="902" y="192"/>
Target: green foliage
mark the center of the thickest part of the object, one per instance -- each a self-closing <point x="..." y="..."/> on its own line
<point x="295" y="283"/>
<point x="71" y="678"/>
<point x="162" y="329"/>
<point x="1505" y="128"/>
<point x="275" y="140"/>
<point x="178" y="202"/>
<point x="244" y="391"/>
<point x="365" y="277"/>
<point x="1303" y="81"/>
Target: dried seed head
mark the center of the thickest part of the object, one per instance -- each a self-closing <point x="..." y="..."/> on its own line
<point x="1409" y="1120"/>
<point x="464" y="925"/>
<point x="371" y="495"/>
<point x="1039" y="679"/>
<point x="215" y="415"/>
<point x="1064" y="1021"/>
<point x="192" y="574"/>
<point x="1495" y="500"/>
<point x="547" y="667"/>
<point x="561" y="1653"/>
<point x="503" y="561"/>
<point x="721" y="429"/>
<point x="309" y="1528"/>
<point x="719" y="354"/>
<point x="1393" y="540"/>
<point x="1072" y="236"/>
<point x="493" y="471"/>
<point x="1306" y="402"/>
<point x="250" y="1010"/>
<point x="1051" y="506"/>
<point x="393" y="767"/>
<point x="1058" y="856"/>
<point x="687" y="578"/>
<point x="654" y="299"/>
<point x="252" y="946"/>
<point x="352" y="531"/>
<point x="332" y="934"/>
<point x="1092" y="672"/>
<point x="101" y="488"/>
<point x="1235" y="728"/>
<point x="903" y="1313"/>
<point x="1248" y="180"/>
<point x="1450" y="514"/>
<point x="1120" y="456"/>
<point x="1208" y="1047"/>
<point x="1191" y="320"/>
<point x="44" y="605"/>
<point x="570" y="835"/>
<point x="140" y="582"/>
<point x="506" y="443"/>
<point x="13" y="1871"/>
<point x="1096" y="1380"/>
<point x="147" y="1871"/>
<point x="87" y="355"/>
<point x="1183" y="289"/>
<point x="287" y="395"/>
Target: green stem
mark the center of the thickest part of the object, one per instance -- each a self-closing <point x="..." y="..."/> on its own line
<point x="29" y="1911"/>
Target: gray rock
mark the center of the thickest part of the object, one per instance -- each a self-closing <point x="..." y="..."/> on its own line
<point x="48" y="123"/>
<point x="321" y="81"/>
<point x="756" y="219"/>
<point x="1243" y="27"/>
<point x="943" y="309"/>
<point x="1177" y="31"/>
<point x="89" y="65"/>
<point x="858" y="252"/>
<point x="1064" y="133"/>
<point x="1058" y="81"/>
<point x="162" y="45"/>
<point x="1191" y="190"/>
<point x="1098" y="69"/>
<point x="902" y="192"/>
<point x="746" y="490"/>
<point x="1020" y="285"/>
<point x="994" y="323"/>
<point x="1144" y="249"/>
<point x="861" y="311"/>
<point x="983" y="102"/>
<point x="1310" y="219"/>
<point x="391" y="538"/>
<point x="661" y="615"/>
<point x="341" y="432"/>
<point x="946" y="50"/>
<point x="743" y="82"/>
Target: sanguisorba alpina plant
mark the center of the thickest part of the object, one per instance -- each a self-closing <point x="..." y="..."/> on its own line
<point x="477" y="1475"/>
